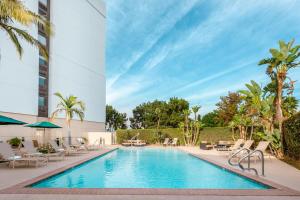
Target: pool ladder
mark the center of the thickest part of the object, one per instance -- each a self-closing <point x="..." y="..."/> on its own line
<point x="131" y="143"/>
<point x="247" y="156"/>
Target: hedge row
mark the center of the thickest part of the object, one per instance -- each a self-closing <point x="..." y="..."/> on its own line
<point x="291" y="131"/>
<point x="210" y="134"/>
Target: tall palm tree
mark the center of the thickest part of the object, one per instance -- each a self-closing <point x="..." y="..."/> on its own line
<point x="278" y="66"/>
<point x="158" y="114"/>
<point x="195" y="110"/>
<point x="14" y="12"/>
<point x="70" y="106"/>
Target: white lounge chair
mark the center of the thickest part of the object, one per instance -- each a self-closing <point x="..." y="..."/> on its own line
<point x="71" y="150"/>
<point x="8" y="155"/>
<point x="82" y="144"/>
<point x="237" y="145"/>
<point x="166" y="142"/>
<point x="174" y="142"/>
<point x="262" y="146"/>
<point x="31" y="151"/>
<point x="247" y="145"/>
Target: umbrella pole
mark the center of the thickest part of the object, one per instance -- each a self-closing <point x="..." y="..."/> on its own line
<point x="44" y="136"/>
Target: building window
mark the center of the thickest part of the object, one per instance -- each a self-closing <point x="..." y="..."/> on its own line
<point x="41" y="101"/>
<point x="43" y="8"/>
<point x="42" y="60"/>
<point x="42" y="40"/>
<point x="42" y="81"/>
<point x="44" y="2"/>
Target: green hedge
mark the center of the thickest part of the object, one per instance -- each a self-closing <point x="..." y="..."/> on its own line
<point x="212" y="134"/>
<point x="291" y="131"/>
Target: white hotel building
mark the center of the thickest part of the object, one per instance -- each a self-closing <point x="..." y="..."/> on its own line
<point x="76" y="67"/>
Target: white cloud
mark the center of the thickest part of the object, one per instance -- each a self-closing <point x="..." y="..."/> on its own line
<point x="153" y="37"/>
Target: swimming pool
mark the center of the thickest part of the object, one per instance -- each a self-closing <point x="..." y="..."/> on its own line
<point x="148" y="168"/>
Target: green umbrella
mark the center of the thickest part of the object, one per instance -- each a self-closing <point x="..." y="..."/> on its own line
<point x="44" y="125"/>
<point x="10" y="121"/>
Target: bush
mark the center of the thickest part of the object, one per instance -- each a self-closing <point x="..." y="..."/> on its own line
<point x="151" y="136"/>
<point x="291" y="131"/>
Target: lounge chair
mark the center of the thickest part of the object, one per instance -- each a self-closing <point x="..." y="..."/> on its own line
<point x="204" y="145"/>
<point x="247" y="145"/>
<point x="223" y="145"/>
<point x="174" y="142"/>
<point x="262" y="146"/>
<point x="55" y="146"/>
<point x="71" y="150"/>
<point x="127" y="143"/>
<point x="31" y="151"/>
<point x="9" y="156"/>
<point x="139" y="143"/>
<point x="166" y="142"/>
<point x="237" y="145"/>
<point x="86" y="146"/>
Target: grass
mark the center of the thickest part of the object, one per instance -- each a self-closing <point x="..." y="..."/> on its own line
<point x="290" y="161"/>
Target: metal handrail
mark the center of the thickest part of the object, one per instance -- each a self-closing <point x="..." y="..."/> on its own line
<point x="235" y="154"/>
<point x="131" y="143"/>
<point x="249" y="168"/>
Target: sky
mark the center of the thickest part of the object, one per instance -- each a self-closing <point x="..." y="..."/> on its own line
<point x="193" y="49"/>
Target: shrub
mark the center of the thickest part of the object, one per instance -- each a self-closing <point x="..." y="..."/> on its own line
<point x="291" y="131"/>
<point x="151" y="136"/>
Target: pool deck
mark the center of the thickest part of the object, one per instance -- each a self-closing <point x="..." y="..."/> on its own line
<point x="276" y="172"/>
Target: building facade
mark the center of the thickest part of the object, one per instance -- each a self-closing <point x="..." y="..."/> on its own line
<point x="76" y="67"/>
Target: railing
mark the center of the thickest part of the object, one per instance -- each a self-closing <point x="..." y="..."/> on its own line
<point x="131" y="139"/>
<point x="235" y="155"/>
<point x="248" y="156"/>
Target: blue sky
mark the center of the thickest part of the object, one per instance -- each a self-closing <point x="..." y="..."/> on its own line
<point x="194" y="49"/>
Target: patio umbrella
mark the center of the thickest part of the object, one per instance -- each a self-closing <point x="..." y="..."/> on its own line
<point x="10" y="121"/>
<point x="44" y="125"/>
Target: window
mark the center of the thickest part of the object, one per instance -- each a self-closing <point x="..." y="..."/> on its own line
<point x="41" y="101"/>
<point x="42" y="40"/>
<point x="43" y="7"/>
<point x="45" y="2"/>
<point x="42" y="60"/>
<point x="42" y="81"/>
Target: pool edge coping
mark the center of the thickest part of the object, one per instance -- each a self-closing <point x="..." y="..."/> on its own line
<point x="276" y="190"/>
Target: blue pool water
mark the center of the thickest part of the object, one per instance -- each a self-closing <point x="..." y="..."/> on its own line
<point x="148" y="168"/>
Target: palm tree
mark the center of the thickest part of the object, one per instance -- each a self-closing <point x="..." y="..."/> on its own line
<point x="158" y="114"/>
<point x="195" y="110"/>
<point x="282" y="60"/>
<point x="258" y="106"/>
<point x="70" y="106"/>
<point x="14" y="12"/>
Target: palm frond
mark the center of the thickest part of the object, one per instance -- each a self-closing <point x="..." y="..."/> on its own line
<point x="13" y="38"/>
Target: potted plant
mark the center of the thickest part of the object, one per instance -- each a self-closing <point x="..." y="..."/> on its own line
<point x="15" y="142"/>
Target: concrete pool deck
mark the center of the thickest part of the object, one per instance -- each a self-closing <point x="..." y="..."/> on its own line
<point x="276" y="171"/>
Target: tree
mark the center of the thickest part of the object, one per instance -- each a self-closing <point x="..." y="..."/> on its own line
<point x="191" y="128"/>
<point x="228" y="107"/>
<point x="258" y="107"/>
<point x="289" y="106"/>
<point x="170" y="114"/>
<point x="14" y="12"/>
<point x="145" y="115"/>
<point x="158" y="114"/>
<point x="175" y="108"/>
<point x="210" y="119"/>
<point x="70" y="106"/>
<point x="195" y="110"/>
<point x="278" y="66"/>
<point x="114" y="119"/>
